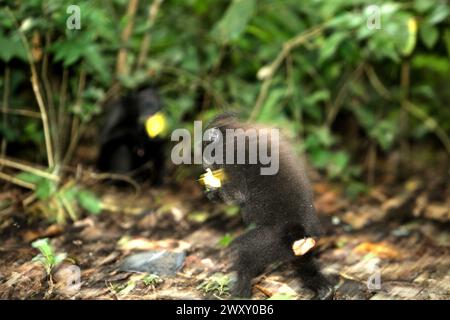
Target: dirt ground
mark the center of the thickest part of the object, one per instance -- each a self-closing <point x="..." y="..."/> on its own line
<point x="396" y="238"/>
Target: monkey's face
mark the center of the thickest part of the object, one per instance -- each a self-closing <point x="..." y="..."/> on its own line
<point x="212" y="138"/>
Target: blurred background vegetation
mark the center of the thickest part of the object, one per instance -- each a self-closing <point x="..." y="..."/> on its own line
<point x="352" y="95"/>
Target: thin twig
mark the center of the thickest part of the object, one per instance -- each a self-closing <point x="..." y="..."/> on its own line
<point x="145" y="44"/>
<point x="17" y="181"/>
<point x="5" y="108"/>
<point x="412" y="109"/>
<point x="27" y="168"/>
<point x="403" y="125"/>
<point x="343" y="92"/>
<point x="49" y="98"/>
<point x="198" y="81"/>
<point x="429" y="122"/>
<point x="273" y="67"/>
<point x="376" y="82"/>
<point x="63" y="117"/>
<point x="37" y="92"/>
<point x="22" y="112"/>
<point x="77" y="129"/>
<point x="121" y="66"/>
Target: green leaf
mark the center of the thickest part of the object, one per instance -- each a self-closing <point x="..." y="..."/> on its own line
<point x="423" y="5"/>
<point x="447" y="41"/>
<point x="232" y="210"/>
<point x="429" y="34"/>
<point x="439" y="14"/>
<point x="96" y="61"/>
<point x="11" y="47"/>
<point x="282" y="296"/>
<point x="43" y="245"/>
<point x="89" y="202"/>
<point x="338" y="163"/>
<point x="45" y="188"/>
<point x="330" y="46"/>
<point x="198" y="216"/>
<point x="29" y="177"/>
<point x="271" y="107"/>
<point x="411" y="37"/>
<point x="225" y="241"/>
<point x="320" y="158"/>
<point x="234" y="21"/>
<point x="436" y="63"/>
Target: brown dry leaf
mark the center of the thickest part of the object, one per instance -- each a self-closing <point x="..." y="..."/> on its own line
<point x="51" y="231"/>
<point x="108" y="259"/>
<point x="271" y="287"/>
<point x="364" y="216"/>
<point x="378" y="194"/>
<point x="403" y="204"/>
<point x="381" y="249"/>
<point x="437" y="212"/>
<point x="421" y="204"/>
<point x="24" y="282"/>
<point x="329" y="202"/>
<point x="127" y="244"/>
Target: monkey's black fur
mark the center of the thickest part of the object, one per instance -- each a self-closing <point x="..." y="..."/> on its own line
<point x="125" y="147"/>
<point x="279" y="207"/>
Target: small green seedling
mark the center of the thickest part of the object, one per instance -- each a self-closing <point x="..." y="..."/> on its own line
<point x="282" y="296"/>
<point x="122" y="289"/>
<point x="225" y="241"/>
<point x="152" y="280"/>
<point x="47" y="255"/>
<point x="218" y="283"/>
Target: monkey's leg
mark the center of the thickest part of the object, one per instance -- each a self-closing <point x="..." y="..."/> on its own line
<point x="121" y="160"/>
<point x="253" y="252"/>
<point x="309" y="272"/>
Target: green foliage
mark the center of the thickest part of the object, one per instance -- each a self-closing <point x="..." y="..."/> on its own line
<point x="282" y="296"/>
<point x="225" y="241"/>
<point x="56" y="202"/>
<point x="218" y="283"/>
<point x="205" y="57"/>
<point x="89" y="201"/>
<point x="48" y="257"/>
<point x="233" y="23"/>
<point x="152" y="280"/>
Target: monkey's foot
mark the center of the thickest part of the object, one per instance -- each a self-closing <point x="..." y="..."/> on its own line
<point x="324" y="293"/>
<point x="242" y="291"/>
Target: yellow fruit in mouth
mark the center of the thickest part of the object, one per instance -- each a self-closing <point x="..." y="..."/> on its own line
<point x="155" y="124"/>
<point x="212" y="179"/>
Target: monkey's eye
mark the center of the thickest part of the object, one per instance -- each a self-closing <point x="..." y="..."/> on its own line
<point x="213" y="135"/>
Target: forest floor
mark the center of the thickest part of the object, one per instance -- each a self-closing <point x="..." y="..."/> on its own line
<point x="396" y="238"/>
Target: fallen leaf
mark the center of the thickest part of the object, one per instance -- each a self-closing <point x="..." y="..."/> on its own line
<point x="381" y="249"/>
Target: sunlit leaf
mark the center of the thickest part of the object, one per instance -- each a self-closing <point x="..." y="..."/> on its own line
<point x="89" y="202"/>
<point x="234" y="21"/>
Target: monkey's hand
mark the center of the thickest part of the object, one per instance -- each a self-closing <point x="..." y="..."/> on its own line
<point x="213" y="194"/>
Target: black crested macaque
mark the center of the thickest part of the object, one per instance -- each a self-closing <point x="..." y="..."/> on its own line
<point x="130" y="141"/>
<point x="279" y="207"/>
